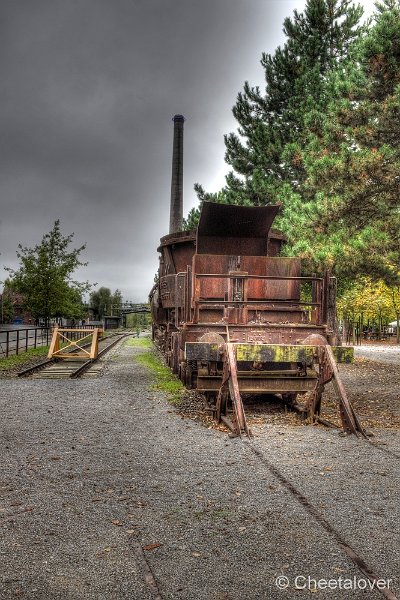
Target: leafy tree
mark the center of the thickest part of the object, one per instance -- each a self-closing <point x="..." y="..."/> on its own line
<point x="104" y="302"/>
<point x="116" y="303"/>
<point x="7" y="306"/>
<point x="138" y="321"/>
<point x="100" y="301"/>
<point x="324" y="140"/>
<point x="44" y="277"/>
<point x="394" y="292"/>
<point x="369" y="302"/>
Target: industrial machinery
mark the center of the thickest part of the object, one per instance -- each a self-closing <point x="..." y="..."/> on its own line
<point x="233" y="317"/>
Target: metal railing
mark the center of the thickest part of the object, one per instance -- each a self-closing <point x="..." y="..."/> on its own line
<point x="22" y="339"/>
<point x="15" y="341"/>
<point x="315" y="308"/>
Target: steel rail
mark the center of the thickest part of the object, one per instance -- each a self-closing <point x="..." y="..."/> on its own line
<point x="45" y="363"/>
<point x="314" y="512"/>
<point x="38" y="367"/>
<point x="86" y="365"/>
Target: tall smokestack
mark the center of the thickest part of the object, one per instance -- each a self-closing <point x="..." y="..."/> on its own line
<point x="176" y="208"/>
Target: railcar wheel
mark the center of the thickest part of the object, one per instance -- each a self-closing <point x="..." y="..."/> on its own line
<point x="289" y="398"/>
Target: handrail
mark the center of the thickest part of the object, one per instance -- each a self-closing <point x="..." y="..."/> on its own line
<point x="238" y="275"/>
<point x="254" y="302"/>
<point x="315" y="307"/>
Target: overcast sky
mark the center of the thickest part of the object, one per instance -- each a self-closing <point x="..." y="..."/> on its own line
<point x="88" y="92"/>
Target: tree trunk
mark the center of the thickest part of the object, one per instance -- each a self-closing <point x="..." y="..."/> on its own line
<point x="344" y="331"/>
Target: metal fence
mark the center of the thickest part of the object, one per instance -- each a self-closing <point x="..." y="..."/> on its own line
<point x="15" y="341"/>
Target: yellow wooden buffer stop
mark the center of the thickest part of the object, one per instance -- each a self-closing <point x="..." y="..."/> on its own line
<point x="71" y="344"/>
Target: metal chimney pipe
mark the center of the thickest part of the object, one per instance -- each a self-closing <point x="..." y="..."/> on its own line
<point x="176" y="207"/>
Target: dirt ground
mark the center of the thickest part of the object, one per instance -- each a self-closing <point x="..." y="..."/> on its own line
<point x="106" y="493"/>
<point x="372" y="386"/>
<point x="374" y="390"/>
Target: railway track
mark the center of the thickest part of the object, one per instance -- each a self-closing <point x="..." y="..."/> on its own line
<point x="367" y="571"/>
<point x="316" y="514"/>
<point x="73" y="369"/>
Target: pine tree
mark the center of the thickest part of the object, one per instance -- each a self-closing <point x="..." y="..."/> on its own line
<point x="348" y="214"/>
<point x="272" y="125"/>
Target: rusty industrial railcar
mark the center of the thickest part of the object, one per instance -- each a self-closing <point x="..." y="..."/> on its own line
<point x="233" y="317"/>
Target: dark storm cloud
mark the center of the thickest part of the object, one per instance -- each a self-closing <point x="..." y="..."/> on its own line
<point x="88" y="90"/>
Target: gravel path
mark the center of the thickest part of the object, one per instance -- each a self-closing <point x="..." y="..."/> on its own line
<point x="103" y="484"/>
<point x="382" y="353"/>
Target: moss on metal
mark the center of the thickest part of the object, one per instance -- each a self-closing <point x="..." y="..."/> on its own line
<point x="343" y="354"/>
<point x="274" y="353"/>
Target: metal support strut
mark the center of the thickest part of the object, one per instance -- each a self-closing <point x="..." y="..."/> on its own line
<point x="350" y="421"/>
<point x="328" y="371"/>
<point x="230" y="385"/>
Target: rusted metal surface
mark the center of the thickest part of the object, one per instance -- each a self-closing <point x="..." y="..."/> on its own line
<point x="240" y="230"/>
<point x="177" y="251"/>
<point x="268" y="333"/>
<point x="350" y="420"/>
<point x="234" y="391"/>
<point x="260" y="385"/>
<point x="203" y="351"/>
<point x="328" y="371"/>
<point x="267" y="353"/>
<point x="234" y="317"/>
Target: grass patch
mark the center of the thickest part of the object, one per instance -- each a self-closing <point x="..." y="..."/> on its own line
<point x="166" y="381"/>
<point x="143" y="342"/>
<point x="7" y="364"/>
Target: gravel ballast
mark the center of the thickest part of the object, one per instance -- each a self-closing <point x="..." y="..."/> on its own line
<point x="103" y="483"/>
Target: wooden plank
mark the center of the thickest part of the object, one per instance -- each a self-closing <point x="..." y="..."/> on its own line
<point x="55" y="343"/>
<point x="88" y="330"/>
<point x="59" y="335"/>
